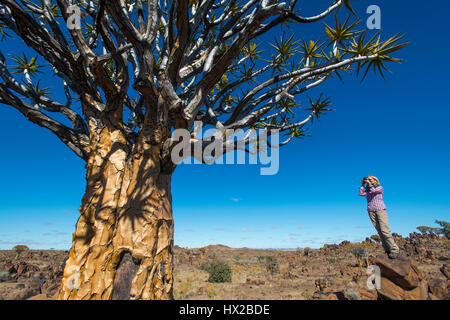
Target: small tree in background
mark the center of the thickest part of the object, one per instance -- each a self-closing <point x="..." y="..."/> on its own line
<point x="423" y="229"/>
<point x="19" y="249"/>
<point x="445" y="230"/>
<point x="437" y="231"/>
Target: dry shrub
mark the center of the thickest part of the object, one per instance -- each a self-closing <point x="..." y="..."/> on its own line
<point x="286" y="271"/>
<point x="211" y="291"/>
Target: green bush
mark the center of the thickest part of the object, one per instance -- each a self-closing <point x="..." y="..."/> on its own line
<point x="266" y="259"/>
<point x="218" y="271"/>
<point x="269" y="261"/>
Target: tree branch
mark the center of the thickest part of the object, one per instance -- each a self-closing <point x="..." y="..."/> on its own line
<point x="77" y="142"/>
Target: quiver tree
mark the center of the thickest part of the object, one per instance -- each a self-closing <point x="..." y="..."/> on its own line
<point x="445" y="228"/>
<point x="429" y="230"/>
<point x="134" y="71"/>
<point x="19" y="249"/>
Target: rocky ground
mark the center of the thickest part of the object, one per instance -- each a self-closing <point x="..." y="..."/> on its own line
<point x="336" y="272"/>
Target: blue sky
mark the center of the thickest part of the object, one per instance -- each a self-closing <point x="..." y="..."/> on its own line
<point x="395" y="129"/>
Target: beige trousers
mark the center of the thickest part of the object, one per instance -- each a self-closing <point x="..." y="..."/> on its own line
<point x="380" y="222"/>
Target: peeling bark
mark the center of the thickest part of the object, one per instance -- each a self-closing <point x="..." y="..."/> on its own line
<point x="126" y="210"/>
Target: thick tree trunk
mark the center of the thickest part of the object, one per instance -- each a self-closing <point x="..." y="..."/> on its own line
<point x="122" y="246"/>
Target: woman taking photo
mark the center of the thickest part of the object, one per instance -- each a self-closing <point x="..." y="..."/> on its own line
<point x="377" y="213"/>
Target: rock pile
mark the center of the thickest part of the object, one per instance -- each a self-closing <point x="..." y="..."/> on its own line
<point x="401" y="279"/>
<point x="40" y="275"/>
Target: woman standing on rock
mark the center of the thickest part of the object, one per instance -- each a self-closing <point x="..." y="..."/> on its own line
<point x="377" y="213"/>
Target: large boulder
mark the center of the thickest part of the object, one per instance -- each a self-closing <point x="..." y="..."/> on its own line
<point x="54" y="296"/>
<point x="401" y="279"/>
<point x="391" y="291"/>
<point x="445" y="269"/>
<point x="27" y="292"/>
<point x="22" y="269"/>
<point x="4" y="275"/>
<point x="438" y="287"/>
<point x="40" y="296"/>
<point x="325" y="296"/>
<point x="368" y="295"/>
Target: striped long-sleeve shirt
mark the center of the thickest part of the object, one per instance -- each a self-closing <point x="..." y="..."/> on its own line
<point x="374" y="196"/>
